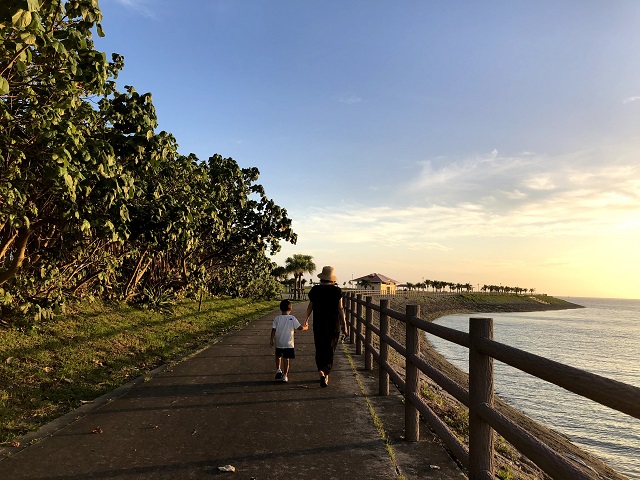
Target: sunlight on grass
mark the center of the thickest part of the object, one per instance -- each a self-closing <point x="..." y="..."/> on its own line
<point x="50" y="370"/>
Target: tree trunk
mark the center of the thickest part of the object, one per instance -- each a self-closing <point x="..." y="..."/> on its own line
<point x="6" y="243"/>
<point x="134" y="279"/>
<point x="21" y="247"/>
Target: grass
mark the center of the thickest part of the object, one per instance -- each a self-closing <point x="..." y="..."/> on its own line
<point x="377" y="422"/>
<point x="453" y="414"/>
<point x="52" y="369"/>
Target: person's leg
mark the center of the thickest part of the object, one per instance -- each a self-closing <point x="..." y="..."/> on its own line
<point x="329" y="360"/>
<point x="278" y="364"/>
<point x="323" y="362"/>
<point x="285" y="366"/>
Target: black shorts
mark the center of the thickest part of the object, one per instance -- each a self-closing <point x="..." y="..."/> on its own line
<point x="285" y="353"/>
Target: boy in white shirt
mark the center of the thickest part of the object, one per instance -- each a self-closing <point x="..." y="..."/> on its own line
<point x="282" y="333"/>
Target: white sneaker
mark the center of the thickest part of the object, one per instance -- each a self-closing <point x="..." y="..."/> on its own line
<point x="285" y="378"/>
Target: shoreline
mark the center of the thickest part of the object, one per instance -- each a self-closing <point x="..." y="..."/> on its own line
<point x="443" y="404"/>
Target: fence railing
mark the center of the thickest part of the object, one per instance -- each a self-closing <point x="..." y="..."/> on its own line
<point x="478" y="457"/>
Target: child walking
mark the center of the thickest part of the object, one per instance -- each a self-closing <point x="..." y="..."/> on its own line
<point x="282" y="333"/>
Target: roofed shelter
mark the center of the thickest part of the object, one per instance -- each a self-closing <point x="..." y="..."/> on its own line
<point x="379" y="283"/>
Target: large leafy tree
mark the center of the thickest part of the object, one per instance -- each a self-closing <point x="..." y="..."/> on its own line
<point x="92" y="199"/>
<point x="54" y="170"/>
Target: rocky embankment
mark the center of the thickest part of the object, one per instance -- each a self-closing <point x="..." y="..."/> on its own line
<point x="508" y="459"/>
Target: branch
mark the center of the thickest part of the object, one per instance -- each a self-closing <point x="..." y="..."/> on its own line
<point x="15" y="59"/>
<point x="21" y="247"/>
<point x="6" y="243"/>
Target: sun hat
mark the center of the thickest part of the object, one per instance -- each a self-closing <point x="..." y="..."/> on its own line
<point x="327" y="274"/>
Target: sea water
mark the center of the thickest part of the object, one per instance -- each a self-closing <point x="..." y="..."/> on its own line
<point x="603" y="338"/>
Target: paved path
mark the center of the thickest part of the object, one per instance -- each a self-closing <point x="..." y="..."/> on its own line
<point x="221" y="407"/>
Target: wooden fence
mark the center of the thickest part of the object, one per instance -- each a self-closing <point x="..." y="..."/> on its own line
<point x="483" y="418"/>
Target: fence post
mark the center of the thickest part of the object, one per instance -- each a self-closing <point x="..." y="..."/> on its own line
<point x="368" y="344"/>
<point x="352" y="325"/>
<point x="383" y="375"/>
<point x="359" y="325"/>
<point x="480" y="392"/>
<point x="411" y="414"/>
<point x="346" y="305"/>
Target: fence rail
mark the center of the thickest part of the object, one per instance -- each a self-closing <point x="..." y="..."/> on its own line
<point x="479" y="398"/>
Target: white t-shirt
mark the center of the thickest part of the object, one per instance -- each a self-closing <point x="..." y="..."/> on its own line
<point x="285" y="326"/>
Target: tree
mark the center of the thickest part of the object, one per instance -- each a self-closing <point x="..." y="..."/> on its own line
<point x="92" y="199"/>
<point x="298" y="265"/>
<point x="280" y="273"/>
<point x="50" y="154"/>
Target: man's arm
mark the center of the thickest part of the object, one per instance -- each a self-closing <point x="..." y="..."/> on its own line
<point x="342" y="317"/>
<point x="309" y="310"/>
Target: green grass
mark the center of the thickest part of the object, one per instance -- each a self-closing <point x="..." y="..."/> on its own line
<point x="377" y="422"/>
<point x="50" y="370"/>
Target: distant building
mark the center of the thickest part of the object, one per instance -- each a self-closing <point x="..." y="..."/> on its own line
<point x="378" y="283"/>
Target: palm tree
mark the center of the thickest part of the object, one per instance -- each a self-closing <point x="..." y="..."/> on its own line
<point x="298" y="265"/>
<point x="280" y="273"/>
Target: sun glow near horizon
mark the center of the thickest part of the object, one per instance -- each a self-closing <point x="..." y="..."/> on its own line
<point x="487" y="143"/>
<point x="568" y="231"/>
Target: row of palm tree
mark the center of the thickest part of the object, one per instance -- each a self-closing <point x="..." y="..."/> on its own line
<point x="298" y="264"/>
<point x="439" y="286"/>
<point x="505" y="289"/>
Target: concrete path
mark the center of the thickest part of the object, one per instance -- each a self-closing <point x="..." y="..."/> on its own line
<point x="222" y="407"/>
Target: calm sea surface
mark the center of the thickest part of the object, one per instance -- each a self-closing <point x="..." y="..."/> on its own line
<point x="603" y="338"/>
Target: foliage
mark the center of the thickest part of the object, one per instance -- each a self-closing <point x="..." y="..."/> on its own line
<point x="157" y="299"/>
<point x="94" y="201"/>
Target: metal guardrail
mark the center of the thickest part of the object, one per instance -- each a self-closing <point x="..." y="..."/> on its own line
<point x="479" y="398"/>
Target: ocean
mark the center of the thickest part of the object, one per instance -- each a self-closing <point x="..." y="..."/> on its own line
<point x="601" y="338"/>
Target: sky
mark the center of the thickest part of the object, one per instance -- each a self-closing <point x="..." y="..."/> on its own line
<point x="491" y="143"/>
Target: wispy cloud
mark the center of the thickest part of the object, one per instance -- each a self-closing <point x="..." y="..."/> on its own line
<point x="631" y="100"/>
<point x="350" y="99"/>
<point x="141" y="6"/>
<point x="525" y="196"/>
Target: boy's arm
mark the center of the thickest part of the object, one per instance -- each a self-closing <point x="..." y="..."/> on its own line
<point x="273" y="334"/>
<point x="303" y="327"/>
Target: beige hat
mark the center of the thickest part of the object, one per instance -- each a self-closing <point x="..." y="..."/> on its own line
<point x="327" y="274"/>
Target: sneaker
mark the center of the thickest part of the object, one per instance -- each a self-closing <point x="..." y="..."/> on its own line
<point x="285" y="378"/>
<point x="278" y="374"/>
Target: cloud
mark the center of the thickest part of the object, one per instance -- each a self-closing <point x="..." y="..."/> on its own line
<point x="141" y="6"/>
<point x="630" y="100"/>
<point x="350" y="99"/>
<point x="528" y="196"/>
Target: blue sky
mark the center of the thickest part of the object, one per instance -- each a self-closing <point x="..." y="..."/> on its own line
<point x="485" y="142"/>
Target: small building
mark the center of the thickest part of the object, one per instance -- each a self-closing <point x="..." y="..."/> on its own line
<point x="378" y="283"/>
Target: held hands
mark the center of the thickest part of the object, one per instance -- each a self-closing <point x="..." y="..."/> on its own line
<point x="305" y="326"/>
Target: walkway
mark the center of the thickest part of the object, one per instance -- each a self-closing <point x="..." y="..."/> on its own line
<point x="222" y="407"/>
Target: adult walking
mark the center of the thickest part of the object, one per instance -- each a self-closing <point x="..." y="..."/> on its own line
<point x="325" y="302"/>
